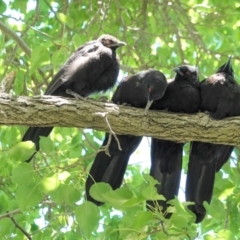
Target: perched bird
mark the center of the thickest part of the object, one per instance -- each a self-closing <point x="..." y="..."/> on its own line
<point x="182" y="95"/>
<point x="93" y="67"/>
<point x="220" y="96"/>
<point x="139" y="91"/>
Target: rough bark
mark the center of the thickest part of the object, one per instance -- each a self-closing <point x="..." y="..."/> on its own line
<point x="56" y="111"/>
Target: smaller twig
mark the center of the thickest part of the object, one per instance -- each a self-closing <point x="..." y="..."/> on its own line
<point x="112" y="132"/>
<point x="36" y="168"/>
<point x="45" y="160"/>
<point x="227" y="214"/>
<point x="20" y="228"/>
<point x="187" y="235"/>
<point x="106" y="147"/>
<point x="89" y="142"/>
<point x="163" y="228"/>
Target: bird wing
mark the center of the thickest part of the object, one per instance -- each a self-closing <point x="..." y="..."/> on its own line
<point x="84" y="66"/>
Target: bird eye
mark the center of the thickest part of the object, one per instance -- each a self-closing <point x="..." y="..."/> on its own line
<point x="107" y="42"/>
<point x="149" y="90"/>
<point x="188" y="73"/>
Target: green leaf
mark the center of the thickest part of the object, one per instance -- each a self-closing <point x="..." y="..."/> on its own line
<point x="46" y="145"/>
<point x="225" y="234"/>
<point x="39" y="56"/>
<point x="3" y="6"/>
<point x="22" y="151"/>
<point x="118" y="197"/>
<point x="141" y="220"/>
<point x="28" y="196"/>
<point x="50" y="183"/>
<point x="23" y="174"/>
<point x="88" y="216"/>
<point x="65" y="19"/>
<point x="215" y="209"/>
<point x="181" y="215"/>
<point x="6" y="227"/>
<point x="148" y="189"/>
<point x="98" y="191"/>
<point x="67" y="194"/>
<point x="4" y="202"/>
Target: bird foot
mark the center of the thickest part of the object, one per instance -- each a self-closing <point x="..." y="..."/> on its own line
<point x="103" y="99"/>
<point x="126" y="104"/>
<point x="77" y="96"/>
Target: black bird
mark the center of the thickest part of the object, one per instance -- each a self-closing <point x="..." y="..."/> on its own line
<point x="139" y="90"/>
<point x="220" y="96"/>
<point x="182" y="95"/>
<point x="93" y="67"/>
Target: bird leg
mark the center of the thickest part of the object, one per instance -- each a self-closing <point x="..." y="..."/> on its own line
<point x="77" y="96"/>
<point x="103" y="99"/>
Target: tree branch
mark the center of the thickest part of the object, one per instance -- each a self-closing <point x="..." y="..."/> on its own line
<point x="8" y="214"/>
<point x="20" y="228"/>
<point x="16" y="38"/>
<point x="64" y="112"/>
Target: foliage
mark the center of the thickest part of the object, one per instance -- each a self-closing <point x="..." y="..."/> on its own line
<point x="46" y="198"/>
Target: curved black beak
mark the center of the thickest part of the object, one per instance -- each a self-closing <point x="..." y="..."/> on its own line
<point x="177" y="70"/>
<point x="117" y="44"/>
<point x="149" y="103"/>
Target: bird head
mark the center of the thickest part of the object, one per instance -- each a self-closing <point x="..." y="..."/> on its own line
<point x="227" y="67"/>
<point x="188" y="73"/>
<point x="110" y="41"/>
<point x="156" y="84"/>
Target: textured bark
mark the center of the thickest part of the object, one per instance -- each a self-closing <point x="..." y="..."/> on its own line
<point x="56" y="111"/>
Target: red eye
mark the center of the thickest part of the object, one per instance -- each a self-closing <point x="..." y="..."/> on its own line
<point x="188" y="73"/>
<point x="149" y="90"/>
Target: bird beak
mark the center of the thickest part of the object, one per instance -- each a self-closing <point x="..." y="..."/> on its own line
<point x="149" y="103"/>
<point x="118" y="44"/>
<point x="228" y="65"/>
<point x="177" y="70"/>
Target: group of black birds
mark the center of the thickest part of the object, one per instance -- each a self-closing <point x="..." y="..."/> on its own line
<point x="94" y="67"/>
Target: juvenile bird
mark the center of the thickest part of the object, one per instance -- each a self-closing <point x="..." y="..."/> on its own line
<point x="93" y="67"/>
<point x="182" y="95"/>
<point x="139" y="90"/>
<point x="220" y="96"/>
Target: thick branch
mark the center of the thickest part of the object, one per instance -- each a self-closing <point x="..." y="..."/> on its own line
<point x="56" y="111"/>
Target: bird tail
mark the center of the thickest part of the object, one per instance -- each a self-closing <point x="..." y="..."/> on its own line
<point x="200" y="178"/>
<point x="204" y="161"/>
<point x="166" y="159"/>
<point x="111" y="169"/>
<point x="33" y="134"/>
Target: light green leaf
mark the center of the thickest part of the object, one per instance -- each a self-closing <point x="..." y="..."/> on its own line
<point x="88" y="216"/>
<point x="141" y="220"/>
<point x="50" y="183"/>
<point x="23" y="174"/>
<point x="98" y="191"/>
<point x="28" y="196"/>
<point x="46" y="145"/>
<point x="22" y="151"/>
